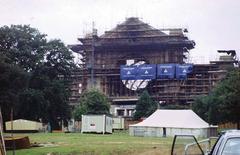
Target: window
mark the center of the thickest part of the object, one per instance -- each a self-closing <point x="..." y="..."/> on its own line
<point x="232" y="147"/>
<point x="120" y="112"/>
<point x="130" y="112"/>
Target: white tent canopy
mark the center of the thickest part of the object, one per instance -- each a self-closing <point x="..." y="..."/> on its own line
<point x="170" y="122"/>
<point x="174" y="119"/>
<point x="24" y="125"/>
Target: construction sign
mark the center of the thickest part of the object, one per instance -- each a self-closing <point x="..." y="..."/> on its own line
<point x="183" y="70"/>
<point x="153" y="71"/>
<point x="166" y="71"/>
<point x="146" y="71"/>
<point x="128" y="72"/>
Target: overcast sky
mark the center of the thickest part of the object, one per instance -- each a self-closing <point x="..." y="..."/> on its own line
<point x="213" y="24"/>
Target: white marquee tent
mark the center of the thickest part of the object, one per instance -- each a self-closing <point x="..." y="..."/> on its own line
<point x="169" y="123"/>
<point x="24" y="125"/>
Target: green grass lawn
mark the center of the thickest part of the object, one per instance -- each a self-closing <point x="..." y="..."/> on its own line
<point x="119" y="143"/>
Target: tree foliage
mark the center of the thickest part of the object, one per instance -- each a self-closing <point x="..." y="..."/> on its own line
<point x="33" y="74"/>
<point x="145" y="106"/>
<point x="92" y="102"/>
<point x="173" y="106"/>
<point x="31" y="104"/>
<point x="22" y="45"/>
<point x="223" y="103"/>
<point x="13" y="80"/>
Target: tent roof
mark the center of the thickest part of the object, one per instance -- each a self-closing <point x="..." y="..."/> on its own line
<point x="22" y="121"/>
<point x="173" y="119"/>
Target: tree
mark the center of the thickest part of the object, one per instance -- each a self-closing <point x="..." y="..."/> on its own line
<point x="228" y="92"/>
<point x="39" y="88"/>
<point x="31" y="104"/>
<point x="22" y="45"/>
<point x="207" y="108"/>
<point x="92" y="102"/>
<point x="59" y="60"/>
<point x="173" y="106"/>
<point x="51" y="77"/>
<point x="145" y="106"/>
<point x="13" y="80"/>
<point x="79" y="111"/>
<point x="57" y="106"/>
<point x="223" y="103"/>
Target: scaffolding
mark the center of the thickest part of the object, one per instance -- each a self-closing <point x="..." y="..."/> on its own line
<point x="137" y="41"/>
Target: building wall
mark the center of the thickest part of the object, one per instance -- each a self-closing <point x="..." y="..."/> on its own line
<point x="110" y="59"/>
<point x="138" y="41"/>
<point x="111" y="84"/>
<point x="125" y="110"/>
<point x="170" y="91"/>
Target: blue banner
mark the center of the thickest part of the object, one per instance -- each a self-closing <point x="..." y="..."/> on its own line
<point x="146" y="71"/>
<point x="166" y="71"/>
<point x="183" y="70"/>
<point x="128" y="72"/>
<point x="152" y="71"/>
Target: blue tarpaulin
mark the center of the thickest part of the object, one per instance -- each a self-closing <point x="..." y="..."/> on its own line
<point x="128" y="72"/>
<point x="183" y="70"/>
<point x="152" y="71"/>
<point x="166" y="71"/>
<point x="146" y="71"/>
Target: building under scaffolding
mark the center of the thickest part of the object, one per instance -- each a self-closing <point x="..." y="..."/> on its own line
<point x="133" y="43"/>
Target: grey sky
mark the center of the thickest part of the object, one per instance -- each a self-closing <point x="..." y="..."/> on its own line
<point x="213" y="24"/>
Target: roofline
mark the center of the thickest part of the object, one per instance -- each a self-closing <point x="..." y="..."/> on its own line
<point x="170" y="127"/>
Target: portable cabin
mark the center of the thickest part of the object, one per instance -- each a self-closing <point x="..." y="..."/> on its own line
<point x="96" y="124"/>
<point x="118" y="123"/>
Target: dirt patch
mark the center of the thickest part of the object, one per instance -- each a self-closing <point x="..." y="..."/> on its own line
<point x="48" y="144"/>
<point x="154" y="152"/>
